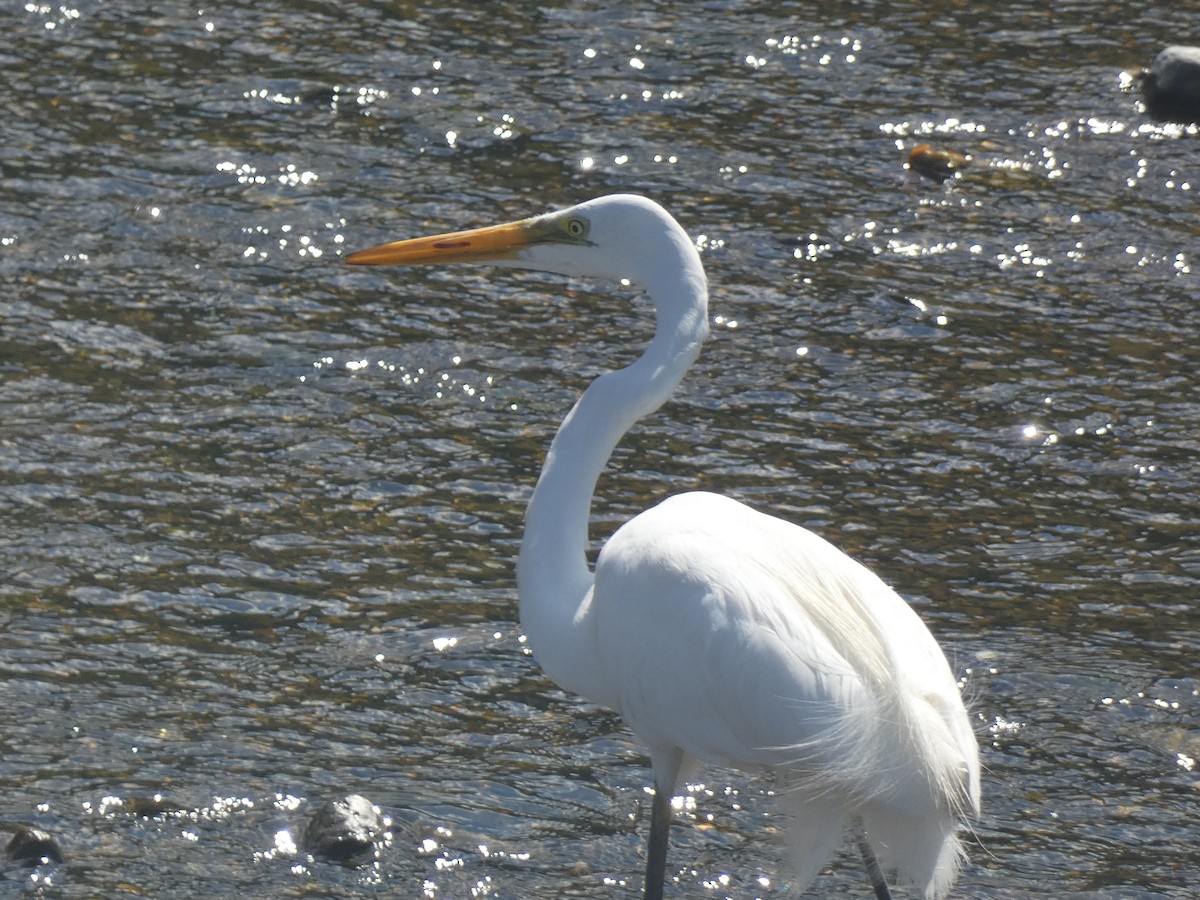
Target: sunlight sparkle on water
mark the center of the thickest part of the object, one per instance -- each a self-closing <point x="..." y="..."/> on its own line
<point x="814" y="249"/>
<point x="304" y="244"/>
<point x="951" y="125"/>
<point x="270" y="97"/>
<point x="291" y="176"/>
<point x="223" y="807"/>
<point x="721" y="882"/>
<point x="287" y="802"/>
<point x="246" y="173"/>
<point x="793" y="45"/>
<point x="284" y="843"/>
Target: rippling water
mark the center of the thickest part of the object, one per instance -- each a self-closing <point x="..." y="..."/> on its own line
<point x="261" y="510"/>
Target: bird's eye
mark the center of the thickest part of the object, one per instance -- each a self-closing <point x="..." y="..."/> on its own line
<point x="576" y="227"/>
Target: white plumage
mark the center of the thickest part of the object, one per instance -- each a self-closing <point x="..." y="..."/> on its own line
<point x="721" y="634"/>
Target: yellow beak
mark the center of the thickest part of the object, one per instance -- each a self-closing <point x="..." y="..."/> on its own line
<point x="476" y="245"/>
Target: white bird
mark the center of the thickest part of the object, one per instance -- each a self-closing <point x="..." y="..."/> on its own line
<point x="720" y="634"/>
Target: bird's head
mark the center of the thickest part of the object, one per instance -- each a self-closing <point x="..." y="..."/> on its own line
<point x="618" y="236"/>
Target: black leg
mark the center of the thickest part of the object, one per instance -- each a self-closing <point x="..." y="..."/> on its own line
<point x="656" y="849"/>
<point x="873" y="870"/>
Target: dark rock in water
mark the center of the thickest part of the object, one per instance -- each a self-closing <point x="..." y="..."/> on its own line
<point x="935" y="163"/>
<point x="321" y="96"/>
<point x="344" y="830"/>
<point x="1171" y="87"/>
<point x="33" y="847"/>
<point x="149" y="807"/>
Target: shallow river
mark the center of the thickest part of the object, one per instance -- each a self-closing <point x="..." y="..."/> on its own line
<point x="261" y="509"/>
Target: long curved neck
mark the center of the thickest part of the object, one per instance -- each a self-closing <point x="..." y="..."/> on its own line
<point x="553" y="578"/>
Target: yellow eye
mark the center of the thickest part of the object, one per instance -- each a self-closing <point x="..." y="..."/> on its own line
<point x="576" y="228"/>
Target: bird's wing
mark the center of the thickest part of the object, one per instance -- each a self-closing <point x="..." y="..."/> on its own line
<point x="743" y="639"/>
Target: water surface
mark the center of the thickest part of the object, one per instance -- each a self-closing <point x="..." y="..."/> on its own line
<point x="261" y="509"/>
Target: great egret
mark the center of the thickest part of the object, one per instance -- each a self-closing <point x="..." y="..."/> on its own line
<point x="721" y="634"/>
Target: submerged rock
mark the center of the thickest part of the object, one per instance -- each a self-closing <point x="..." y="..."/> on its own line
<point x="936" y="163"/>
<point x="344" y="830"/>
<point x="33" y="847"/>
<point x="149" y="807"/>
<point x="1171" y="86"/>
